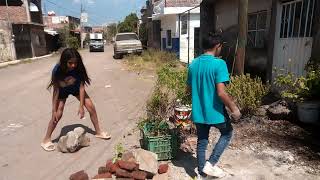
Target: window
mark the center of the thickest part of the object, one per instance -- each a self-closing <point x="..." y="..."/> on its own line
<point x="184" y="24"/>
<point x="257" y="28"/>
<point x="169" y="38"/>
<point x="296" y="19"/>
<point x="124" y="37"/>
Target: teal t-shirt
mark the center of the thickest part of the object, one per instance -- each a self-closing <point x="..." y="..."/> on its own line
<point x="204" y="73"/>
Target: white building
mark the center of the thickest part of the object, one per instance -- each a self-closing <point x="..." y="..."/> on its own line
<point x="180" y="27"/>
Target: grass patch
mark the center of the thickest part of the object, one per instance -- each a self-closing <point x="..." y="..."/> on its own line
<point x="151" y="60"/>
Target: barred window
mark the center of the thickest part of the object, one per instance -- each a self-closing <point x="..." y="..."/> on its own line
<point x="257" y="28"/>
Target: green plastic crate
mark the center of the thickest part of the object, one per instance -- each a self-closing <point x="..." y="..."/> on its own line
<point x="164" y="146"/>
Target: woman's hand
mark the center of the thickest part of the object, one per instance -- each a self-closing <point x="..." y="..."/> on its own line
<point x="81" y="112"/>
<point x="55" y="117"/>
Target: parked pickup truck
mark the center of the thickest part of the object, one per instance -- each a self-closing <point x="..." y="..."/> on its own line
<point x="126" y="43"/>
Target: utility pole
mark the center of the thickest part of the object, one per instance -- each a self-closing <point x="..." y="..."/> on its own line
<point x="44" y="8"/>
<point x="81" y="39"/>
<point x="243" y="32"/>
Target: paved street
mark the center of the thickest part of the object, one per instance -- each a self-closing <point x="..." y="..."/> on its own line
<point x="26" y="109"/>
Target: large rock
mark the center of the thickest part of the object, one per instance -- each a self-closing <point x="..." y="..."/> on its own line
<point x="130" y="166"/>
<point x="279" y="111"/>
<point x="163" y="168"/>
<point x="121" y="173"/>
<point x="112" y="167"/>
<point x="73" y="141"/>
<point x="139" y="175"/>
<point x="102" y="176"/>
<point x="80" y="175"/>
<point x="102" y="170"/>
<point x="128" y="156"/>
<point x="147" y="160"/>
<point x="261" y="111"/>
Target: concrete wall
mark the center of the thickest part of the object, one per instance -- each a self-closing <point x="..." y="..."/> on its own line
<point x="194" y="23"/>
<point x="227" y="11"/>
<point x="169" y="22"/>
<point x="179" y="41"/>
<point x="226" y="19"/>
<point x="5" y="46"/>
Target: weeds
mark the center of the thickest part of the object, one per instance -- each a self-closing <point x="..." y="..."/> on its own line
<point x="151" y="60"/>
<point x="247" y="92"/>
<point x="119" y="150"/>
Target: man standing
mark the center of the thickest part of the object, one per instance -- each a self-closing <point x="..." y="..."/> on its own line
<point x="207" y="77"/>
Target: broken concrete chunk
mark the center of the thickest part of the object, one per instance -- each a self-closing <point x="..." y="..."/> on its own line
<point x="73" y="141"/>
<point x="62" y="144"/>
<point x="79" y="131"/>
<point x="147" y="160"/>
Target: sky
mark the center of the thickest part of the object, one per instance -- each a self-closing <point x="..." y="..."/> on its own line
<point x="100" y="12"/>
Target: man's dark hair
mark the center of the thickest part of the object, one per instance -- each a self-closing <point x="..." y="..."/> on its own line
<point x="211" y="41"/>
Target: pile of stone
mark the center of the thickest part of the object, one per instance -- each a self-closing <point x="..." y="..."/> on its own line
<point x="137" y="165"/>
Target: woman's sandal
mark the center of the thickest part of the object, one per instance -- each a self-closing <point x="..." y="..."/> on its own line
<point x="49" y="146"/>
<point x="104" y="135"/>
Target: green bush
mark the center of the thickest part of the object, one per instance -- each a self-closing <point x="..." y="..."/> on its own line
<point x="73" y="42"/>
<point x="300" y="88"/>
<point x="170" y="86"/>
<point x="174" y="80"/>
<point x="247" y="92"/>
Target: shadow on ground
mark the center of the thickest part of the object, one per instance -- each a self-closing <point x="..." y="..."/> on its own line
<point x="186" y="161"/>
<point x="71" y="127"/>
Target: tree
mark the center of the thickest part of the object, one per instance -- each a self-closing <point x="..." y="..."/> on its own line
<point x="73" y="42"/>
<point x="87" y="39"/>
<point x="64" y="34"/>
<point x="130" y="23"/>
<point x="111" y="31"/>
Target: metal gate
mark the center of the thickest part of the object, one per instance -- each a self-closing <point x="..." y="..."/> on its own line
<point x="293" y="40"/>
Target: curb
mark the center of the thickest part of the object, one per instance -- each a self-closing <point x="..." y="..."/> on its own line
<point x="14" y="62"/>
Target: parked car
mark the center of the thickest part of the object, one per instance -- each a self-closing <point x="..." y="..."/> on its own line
<point x="96" y="42"/>
<point x="126" y="43"/>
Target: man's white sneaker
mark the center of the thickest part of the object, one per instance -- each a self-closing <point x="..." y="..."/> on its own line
<point x="199" y="177"/>
<point x="214" y="171"/>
